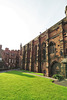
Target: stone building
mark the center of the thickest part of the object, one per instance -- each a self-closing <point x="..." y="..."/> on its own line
<point x="47" y="52"/>
<point x="1" y="58"/>
<point x="9" y="59"/>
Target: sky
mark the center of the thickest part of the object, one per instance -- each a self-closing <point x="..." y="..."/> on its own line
<point x="23" y="20"/>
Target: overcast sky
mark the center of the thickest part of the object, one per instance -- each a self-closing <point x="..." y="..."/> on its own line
<point x="23" y="20"/>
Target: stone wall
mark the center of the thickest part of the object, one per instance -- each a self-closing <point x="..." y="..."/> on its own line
<point x="10" y="58"/>
<point x="47" y="50"/>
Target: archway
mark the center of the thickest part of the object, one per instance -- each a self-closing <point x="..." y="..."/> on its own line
<point x="55" y="68"/>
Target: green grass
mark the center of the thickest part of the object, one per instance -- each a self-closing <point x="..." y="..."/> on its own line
<point x="33" y="72"/>
<point x="15" y="85"/>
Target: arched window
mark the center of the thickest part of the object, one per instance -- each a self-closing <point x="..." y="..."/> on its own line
<point x="35" y="53"/>
<point x="52" y="47"/>
<point x="44" y="50"/>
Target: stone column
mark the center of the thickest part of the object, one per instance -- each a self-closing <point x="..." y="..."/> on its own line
<point x="61" y="40"/>
<point x="37" y="59"/>
<point x="30" y="56"/>
<point x="47" y="62"/>
<point x="26" y="57"/>
<point x="23" y="58"/>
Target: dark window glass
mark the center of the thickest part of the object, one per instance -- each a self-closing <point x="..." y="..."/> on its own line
<point x="52" y="47"/>
<point x="35" y="53"/>
<point x="44" y="50"/>
<point x="61" y="53"/>
<point x="44" y="54"/>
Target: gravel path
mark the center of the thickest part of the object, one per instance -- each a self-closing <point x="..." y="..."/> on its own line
<point x="63" y="83"/>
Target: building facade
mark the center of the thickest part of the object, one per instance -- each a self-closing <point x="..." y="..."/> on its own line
<point x="47" y="52"/>
<point x="9" y="59"/>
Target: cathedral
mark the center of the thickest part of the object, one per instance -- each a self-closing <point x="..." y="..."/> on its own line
<point x="47" y="53"/>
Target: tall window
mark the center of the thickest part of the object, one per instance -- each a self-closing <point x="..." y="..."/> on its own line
<point x="52" y="47"/>
<point x="35" y="53"/>
<point x="9" y="60"/>
<point x="44" y="50"/>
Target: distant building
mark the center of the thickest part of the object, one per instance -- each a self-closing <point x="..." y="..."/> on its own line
<point x="1" y="58"/>
<point x="47" y="52"/>
<point x="9" y="59"/>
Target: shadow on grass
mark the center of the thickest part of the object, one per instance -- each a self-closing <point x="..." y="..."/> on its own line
<point x="32" y="72"/>
<point x="20" y="73"/>
<point x="27" y="71"/>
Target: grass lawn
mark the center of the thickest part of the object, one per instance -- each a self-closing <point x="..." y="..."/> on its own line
<point x="15" y="85"/>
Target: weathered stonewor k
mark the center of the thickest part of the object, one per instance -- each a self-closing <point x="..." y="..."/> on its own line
<point x="47" y="53"/>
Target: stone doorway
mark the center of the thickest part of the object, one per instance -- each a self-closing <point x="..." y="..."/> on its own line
<point x="55" y="68"/>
